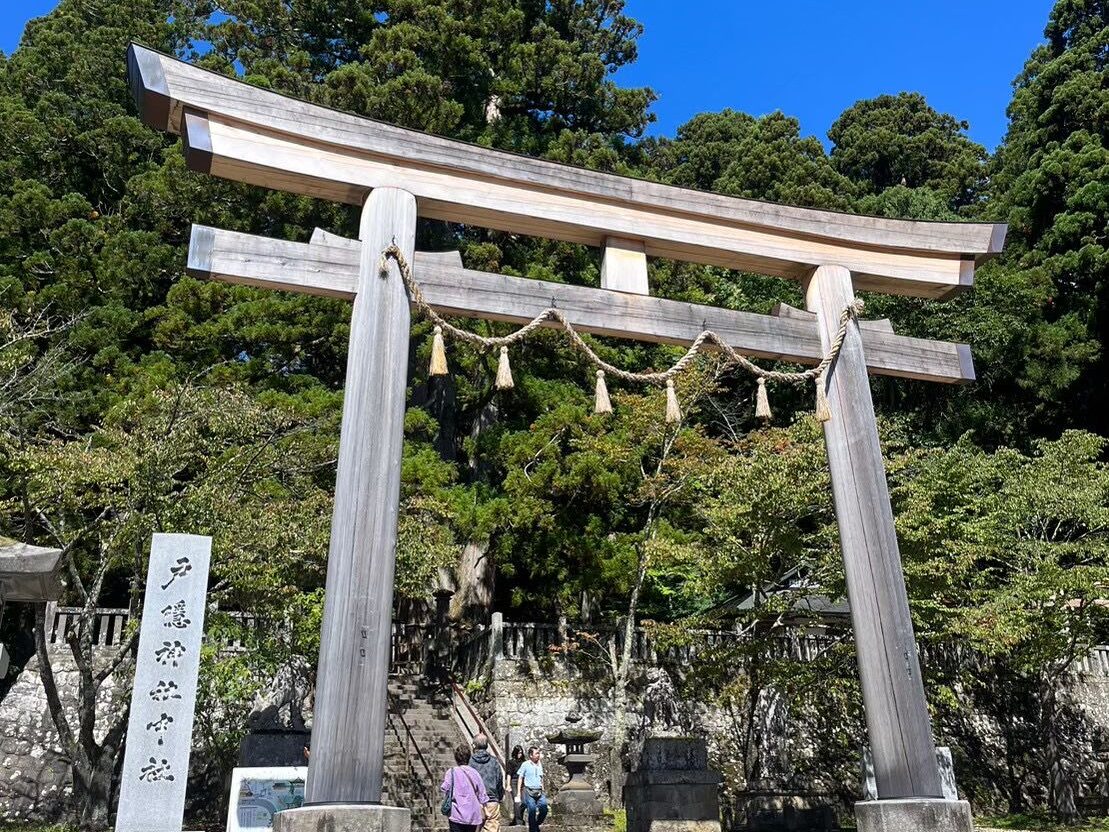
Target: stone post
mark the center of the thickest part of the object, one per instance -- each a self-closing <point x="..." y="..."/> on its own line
<point x="497" y="625"/>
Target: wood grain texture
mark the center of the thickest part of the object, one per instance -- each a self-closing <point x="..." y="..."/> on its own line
<point x="348" y="731"/>
<point x="784" y="310"/>
<point x="466" y="183"/>
<point x="270" y="159"/>
<point x="889" y="671"/>
<point x="331" y="269"/>
<point x="624" y="266"/>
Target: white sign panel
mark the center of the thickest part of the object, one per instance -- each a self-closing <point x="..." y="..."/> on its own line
<point x="258" y="793"/>
<point x="159" y="734"/>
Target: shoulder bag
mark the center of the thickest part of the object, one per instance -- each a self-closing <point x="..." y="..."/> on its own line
<point x="449" y="799"/>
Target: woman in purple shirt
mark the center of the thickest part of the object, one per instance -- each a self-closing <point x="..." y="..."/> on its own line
<point x="467" y="791"/>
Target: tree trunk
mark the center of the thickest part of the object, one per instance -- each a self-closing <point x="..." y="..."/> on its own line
<point x="619" y="725"/>
<point x="476" y="578"/>
<point x="1060" y="768"/>
<point x="92" y="793"/>
<point x="616" y="752"/>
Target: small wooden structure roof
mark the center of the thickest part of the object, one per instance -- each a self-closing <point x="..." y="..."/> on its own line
<point x="234" y="130"/>
<point x="28" y="573"/>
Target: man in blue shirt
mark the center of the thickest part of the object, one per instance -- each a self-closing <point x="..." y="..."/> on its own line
<point x="530" y="790"/>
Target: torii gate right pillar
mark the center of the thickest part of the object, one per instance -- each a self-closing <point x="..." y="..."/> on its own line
<point x="900" y="730"/>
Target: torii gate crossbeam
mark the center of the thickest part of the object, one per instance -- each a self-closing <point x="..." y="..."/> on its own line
<point x="233" y="130"/>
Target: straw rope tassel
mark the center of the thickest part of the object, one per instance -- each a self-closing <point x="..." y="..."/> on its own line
<point x="504" y="371"/>
<point x="673" y="412"/>
<point x="762" y="403"/>
<point x="823" y="411"/>
<point x="438" y="366"/>
<point x="601" y="401"/>
<point x="602" y="404"/>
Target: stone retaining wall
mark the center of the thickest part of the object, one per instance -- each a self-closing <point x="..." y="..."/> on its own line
<point x="34" y="773"/>
<point x="522" y="699"/>
<point x="525" y="701"/>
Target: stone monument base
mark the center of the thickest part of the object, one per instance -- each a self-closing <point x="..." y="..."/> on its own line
<point x="914" y="815"/>
<point x="343" y="817"/>
<point x="577" y="809"/>
<point x="274" y="748"/>
<point x="673" y="790"/>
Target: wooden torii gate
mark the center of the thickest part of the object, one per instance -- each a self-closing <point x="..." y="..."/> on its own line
<point x="236" y="131"/>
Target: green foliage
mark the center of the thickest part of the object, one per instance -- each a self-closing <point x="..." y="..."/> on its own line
<point x="1038" y="822"/>
<point x="1009" y="553"/>
<point x="1050" y="180"/>
<point x="766" y="510"/>
<point x="760" y="158"/>
<point x="512" y="74"/>
<point x="139" y="399"/>
<point x="579" y="491"/>
<point x="897" y="140"/>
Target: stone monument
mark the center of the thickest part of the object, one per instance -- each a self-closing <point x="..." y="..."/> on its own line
<point x="278" y="731"/>
<point x="661" y="716"/>
<point x="672" y="790"/>
<point x="163" y="701"/>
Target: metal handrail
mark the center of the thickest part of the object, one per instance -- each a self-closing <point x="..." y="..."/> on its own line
<point x="460" y="696"/>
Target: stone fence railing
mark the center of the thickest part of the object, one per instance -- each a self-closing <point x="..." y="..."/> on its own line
<point x="108" y="625"/>
<point x="409" y="650"/>
<point x="513" y="641"/>
<point x="500" y="640"/>
<point x="1096" y="662"/>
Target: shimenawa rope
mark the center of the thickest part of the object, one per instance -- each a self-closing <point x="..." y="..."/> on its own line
<point x="663" y="378"/>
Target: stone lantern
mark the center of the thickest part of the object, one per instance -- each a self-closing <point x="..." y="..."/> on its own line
<point x="576" y="803"/>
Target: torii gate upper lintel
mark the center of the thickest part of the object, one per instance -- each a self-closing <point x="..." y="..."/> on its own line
<point x="236" y="131"/>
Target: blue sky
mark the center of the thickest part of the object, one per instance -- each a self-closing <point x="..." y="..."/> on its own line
<point x="815" y="58"/>
<point x="809" y="58"/>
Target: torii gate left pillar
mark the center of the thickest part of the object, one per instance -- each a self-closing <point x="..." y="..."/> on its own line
<point x="348" y="729"/>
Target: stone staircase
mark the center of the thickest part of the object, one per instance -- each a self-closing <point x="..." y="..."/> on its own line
<point x="420" y="736"/>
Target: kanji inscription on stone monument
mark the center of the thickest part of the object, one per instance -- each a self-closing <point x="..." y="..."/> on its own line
<point x="159" y="733"/>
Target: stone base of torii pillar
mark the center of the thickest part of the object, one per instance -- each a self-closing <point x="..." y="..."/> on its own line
<point x="915" y="814"/>
<point x="343" y="817"/>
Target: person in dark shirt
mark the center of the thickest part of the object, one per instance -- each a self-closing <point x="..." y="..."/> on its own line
<point x="515" y="760"/>
<point x="492" y="775"/>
